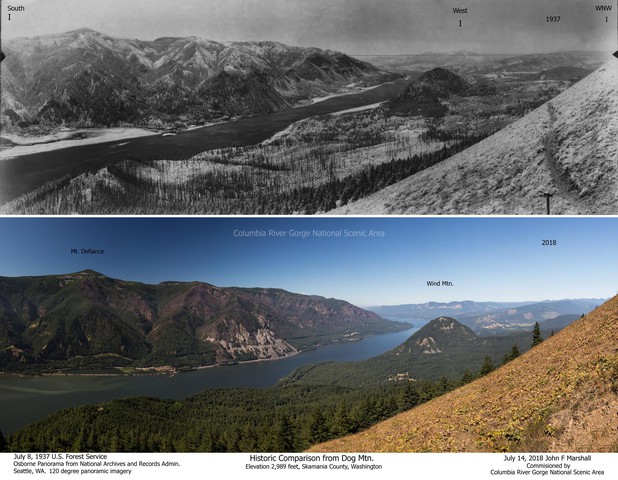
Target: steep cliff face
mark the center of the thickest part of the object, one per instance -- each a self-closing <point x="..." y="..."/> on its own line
<point x="89" y="318"/>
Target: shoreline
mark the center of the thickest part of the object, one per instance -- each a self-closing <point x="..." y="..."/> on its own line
<point x="66" y="139"/>
<point x="85" y="136"/>
<point x="146" y="371"/>
<point x="355" y="90"/>
<point x="91" y="136"/>
<point x="171" y="371"/>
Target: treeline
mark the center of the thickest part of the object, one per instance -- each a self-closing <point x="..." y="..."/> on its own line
<point x="338" y="192"/>
<point x="289" y="417"/>
<point x="223" y="420"/>
<point x="225" y="186"/>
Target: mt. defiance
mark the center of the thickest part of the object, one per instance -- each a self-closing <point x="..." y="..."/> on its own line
<point x="88" y="320"/>
<point x="86" y="78"/>
<point x="561" y="396"/>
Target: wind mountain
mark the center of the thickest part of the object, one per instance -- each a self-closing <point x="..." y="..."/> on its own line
<point x="86" y="319"/>
<point x="442" y="348"/>
<point x="86" y="78"/>
<point x="423" y="96"/>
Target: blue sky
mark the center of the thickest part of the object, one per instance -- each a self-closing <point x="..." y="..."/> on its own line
<point x="352" y="26"/>
<point x="484" y="258"/>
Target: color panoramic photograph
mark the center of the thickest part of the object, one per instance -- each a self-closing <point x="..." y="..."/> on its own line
<point x="298" y="107"/>
<point x="316" y="334"/>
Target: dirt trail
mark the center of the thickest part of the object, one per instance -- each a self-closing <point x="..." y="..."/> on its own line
<point x="564" y="185"/>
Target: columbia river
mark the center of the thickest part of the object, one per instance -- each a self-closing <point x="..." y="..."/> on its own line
<point x="23" y="174"/>
<point x="28" y="398"/>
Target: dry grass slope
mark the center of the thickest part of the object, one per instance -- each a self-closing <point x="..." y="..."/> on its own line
<point x="506" y="173"/>
<point x="560" y="396"/>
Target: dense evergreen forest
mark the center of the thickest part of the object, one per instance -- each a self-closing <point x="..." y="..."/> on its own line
<point x="260" y="186"/>
<point x="224" y="420"/>
<point x="281" y="418"/>
<point x="284" y="418"/>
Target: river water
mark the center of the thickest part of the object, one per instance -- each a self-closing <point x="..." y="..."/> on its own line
<point x="23" y="174"/>
<point x="25" y="399"/>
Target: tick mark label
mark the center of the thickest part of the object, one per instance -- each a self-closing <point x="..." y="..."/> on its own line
<point x="15" y="8"/>
<point x="439" y="283"/>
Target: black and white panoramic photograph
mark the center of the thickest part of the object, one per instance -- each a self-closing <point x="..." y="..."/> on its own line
<point x="321" y="335"/>
<point x="309" y="107"/>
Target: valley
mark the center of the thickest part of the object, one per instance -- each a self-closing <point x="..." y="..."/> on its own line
<point x="27" y="398"/>
<point x="99" y="362"/>
<point x="270" y="158"/>
<point x="495" y="318"/>
<point x="86" y="78"/>
<point x="306" y="400"/>
<point x="298" y="412"/>
<point x="85" y="321"/>
<point x="22" y="174"/>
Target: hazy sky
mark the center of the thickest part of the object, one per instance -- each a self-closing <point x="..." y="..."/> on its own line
<point x="352" y="26"/>
<point x="485" y="258"/>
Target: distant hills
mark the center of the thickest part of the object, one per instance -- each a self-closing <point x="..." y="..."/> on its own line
<point x="87" y="320"/>
<point x="558" y="397"/>
<point x="524" y="317"/>
<point x="86" y="78"/>
<point x="565" y="147"/>
<point x="488" y="318"/>
<point x="430" y="310"/>
<point x="471" y="63"/>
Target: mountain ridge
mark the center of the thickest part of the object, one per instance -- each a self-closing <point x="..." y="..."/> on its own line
<point x="490" y="318"/>
<point x="77" y="77"/>
<point x="88" y="319"/>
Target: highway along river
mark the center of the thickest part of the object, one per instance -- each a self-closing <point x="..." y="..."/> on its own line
<point x="23" y="174"/>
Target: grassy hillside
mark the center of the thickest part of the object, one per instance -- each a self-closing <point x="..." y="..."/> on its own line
<point x="560" y="396"/>
<point x="566" y="147"/>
